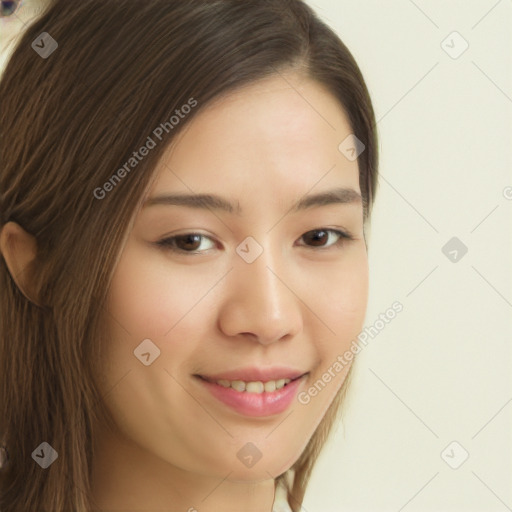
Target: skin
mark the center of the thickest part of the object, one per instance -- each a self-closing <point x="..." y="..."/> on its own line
<point x="298" y="304"/>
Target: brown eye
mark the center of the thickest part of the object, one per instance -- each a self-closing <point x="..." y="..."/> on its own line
<point x="186" y="243"/>
<point x="319" y="237"/>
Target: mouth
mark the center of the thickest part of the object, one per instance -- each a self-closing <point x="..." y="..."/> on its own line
<point x="252" y="386"/>
<point x="254" y="398"/>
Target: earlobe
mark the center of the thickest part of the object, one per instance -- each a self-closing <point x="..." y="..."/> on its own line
<point x="19" y="250"/>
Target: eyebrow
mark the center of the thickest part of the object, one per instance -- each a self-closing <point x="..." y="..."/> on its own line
<point x="339" y="195"/>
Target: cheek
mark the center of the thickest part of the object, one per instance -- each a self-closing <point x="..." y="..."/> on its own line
<point x="146" y="301"/>
<point x="341" y="306"/>
<point x="343" y="298"/>
<point x="148" y="297"/>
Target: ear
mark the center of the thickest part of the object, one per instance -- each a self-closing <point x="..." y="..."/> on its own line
<point x="19" y="250"/>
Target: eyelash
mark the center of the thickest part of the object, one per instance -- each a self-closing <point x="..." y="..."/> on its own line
<point x="169" y="243"/>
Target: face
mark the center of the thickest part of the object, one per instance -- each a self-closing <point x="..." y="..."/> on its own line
<point x="268" y="287"/>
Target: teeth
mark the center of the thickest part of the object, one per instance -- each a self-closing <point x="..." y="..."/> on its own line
<point x="270" y="386"/>
<point x="254" y="387"/>
<point x="238" y="385"/>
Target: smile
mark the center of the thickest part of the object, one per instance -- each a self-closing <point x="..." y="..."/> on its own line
<point x="254" y="398"/>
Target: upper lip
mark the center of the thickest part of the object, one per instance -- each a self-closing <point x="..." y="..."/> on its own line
<point x="254" y="374"/>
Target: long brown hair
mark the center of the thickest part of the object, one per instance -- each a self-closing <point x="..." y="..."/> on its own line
<point x="68" y="122"/>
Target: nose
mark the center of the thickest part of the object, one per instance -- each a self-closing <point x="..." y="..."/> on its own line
<point x="261" y="302"/>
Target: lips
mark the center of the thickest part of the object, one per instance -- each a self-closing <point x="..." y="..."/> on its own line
<point x="254" y="374"/>
<point x="254" y="404"/>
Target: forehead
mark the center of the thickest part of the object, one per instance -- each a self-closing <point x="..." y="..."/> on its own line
<point x="280" y="134"/>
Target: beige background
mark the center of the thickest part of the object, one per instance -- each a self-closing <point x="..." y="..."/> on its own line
<point x="441" y="370"/>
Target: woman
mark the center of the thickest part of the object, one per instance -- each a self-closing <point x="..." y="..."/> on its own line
<point x="184" y="194"/>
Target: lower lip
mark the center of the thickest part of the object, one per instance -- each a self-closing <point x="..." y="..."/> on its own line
<point x="256" y="404"/>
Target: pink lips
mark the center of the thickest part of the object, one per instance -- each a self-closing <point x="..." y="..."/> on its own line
<point x="254" y="374"/>
<point x="255" y="404"/>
